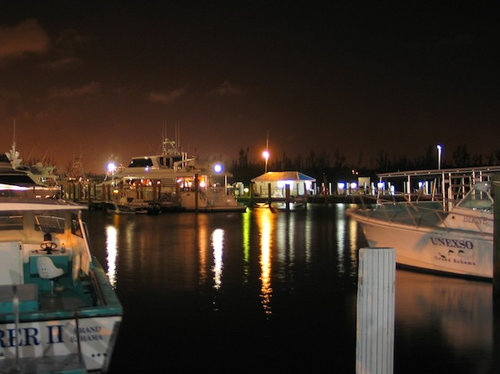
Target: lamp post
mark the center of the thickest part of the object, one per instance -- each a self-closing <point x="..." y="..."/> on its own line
<point x="265" y="154"/>
<point x="439" y="148"/>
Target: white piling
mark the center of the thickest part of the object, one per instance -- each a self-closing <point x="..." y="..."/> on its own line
<point x="375" y="311"/>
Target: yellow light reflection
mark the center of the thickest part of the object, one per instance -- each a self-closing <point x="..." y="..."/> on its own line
<point x="218" y="246"/>
<point x="202" y="247"/>
<point x="111" y="252"/>
<point x="353" y="238"/>
<point x="266" y="225"/>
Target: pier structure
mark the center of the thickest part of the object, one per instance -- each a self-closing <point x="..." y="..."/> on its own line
<point x="446" y="185"/>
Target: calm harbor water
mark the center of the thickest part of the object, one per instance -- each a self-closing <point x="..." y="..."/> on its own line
<point x="272" y="292"/>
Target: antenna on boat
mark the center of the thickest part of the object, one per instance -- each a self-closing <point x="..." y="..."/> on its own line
<point x="164" y="139"/>
<point x="13" y="155"/>
<point x="178" y="136"/>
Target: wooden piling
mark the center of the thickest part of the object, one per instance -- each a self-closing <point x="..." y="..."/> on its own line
<point x="251" y="195"/>
<point x="375" y="311"/>
<point x="287" y="195"/>
<point x="196" y="185"/>
<point x="269" y="195"/>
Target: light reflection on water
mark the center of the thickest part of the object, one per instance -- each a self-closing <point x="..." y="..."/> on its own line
<point x="340" y="240"/>
<point x="448" y="318"/>
<point x="353" y="247"/>
<point x="266" y="226"/>
<point x="284" y="240"/>
<point x="300" y="267"/>
<point x="111" y="251"/>
<point x="462" y="309"/>
<point x="218" y="246"/>
<point x="202" y="248"/>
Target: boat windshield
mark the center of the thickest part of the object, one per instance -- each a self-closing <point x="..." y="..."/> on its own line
<point x="479" y="198"/>
<point x="11" y="221"/>
<point x="140" y="163"/>
<point x="49" y="223"/>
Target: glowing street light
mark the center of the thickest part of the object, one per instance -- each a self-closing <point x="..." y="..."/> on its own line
<point x="218" y="168"/>
<point x="265" y="154"/>
<point x="111" y="167"/>
<point x="439" y="148"/>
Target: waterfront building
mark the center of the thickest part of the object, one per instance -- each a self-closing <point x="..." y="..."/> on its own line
<point x="300" y="184"/>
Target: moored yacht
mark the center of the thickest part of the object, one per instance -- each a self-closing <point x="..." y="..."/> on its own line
<point x="170" y="181"/>
<point x="456" y="241"/>
<point x="19" y="180"/>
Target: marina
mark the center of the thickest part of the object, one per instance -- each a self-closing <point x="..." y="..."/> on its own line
<point x="270" y="292"/>
<point x="251" y="278"/>
<point x="249" y="187"/>
<point x="270" y="288"/>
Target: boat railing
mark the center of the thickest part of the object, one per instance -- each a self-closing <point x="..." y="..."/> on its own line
<point x="78" y="339"/>
<point x="95" y="281"/>
<point x="424" y="214"/>
<point x="93" y="276"/>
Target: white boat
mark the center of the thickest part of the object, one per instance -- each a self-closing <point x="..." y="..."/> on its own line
<point x="21" y="180"/>
<point x="58" y="310"/>
<point x="457" y="241"/>
<point x="171" y="181"/>
<point x="42" y="174"/>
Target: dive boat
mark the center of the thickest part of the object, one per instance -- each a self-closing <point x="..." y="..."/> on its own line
<point x="457" y="241"/>
<point x="170" y="181"/>
<point x="58" y="310"/>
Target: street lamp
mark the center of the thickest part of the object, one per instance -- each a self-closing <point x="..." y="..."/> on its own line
<point x="111" y="167"/>
<point x="218" y="168"/>
<point x="265" y="154"/>
<point x="439" y="148"/>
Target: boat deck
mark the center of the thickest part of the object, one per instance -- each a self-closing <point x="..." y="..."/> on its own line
<point x="68" y="364"/>
<point x="65" y="299"/>
<point x="69" y="299"/>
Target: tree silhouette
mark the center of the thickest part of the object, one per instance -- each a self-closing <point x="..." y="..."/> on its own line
<point x="323" y="168"/>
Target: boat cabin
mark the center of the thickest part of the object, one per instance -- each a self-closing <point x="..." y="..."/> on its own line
<point x="29" y="234"/>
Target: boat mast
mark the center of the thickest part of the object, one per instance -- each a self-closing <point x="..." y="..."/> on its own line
<point x="13" y="155"/>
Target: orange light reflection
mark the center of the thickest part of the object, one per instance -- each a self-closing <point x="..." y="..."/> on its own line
<point x="202" y="248"/>
<point x="266" y="226"/>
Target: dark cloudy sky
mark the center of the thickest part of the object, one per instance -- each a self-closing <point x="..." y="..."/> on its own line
<point x="93" y="78"/>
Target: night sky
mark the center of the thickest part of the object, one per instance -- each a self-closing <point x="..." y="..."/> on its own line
<point x="92" y="79"/>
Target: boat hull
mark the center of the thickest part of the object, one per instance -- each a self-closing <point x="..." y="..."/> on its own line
<point x="435" y="249"/>
<point x="53" y="338"/>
